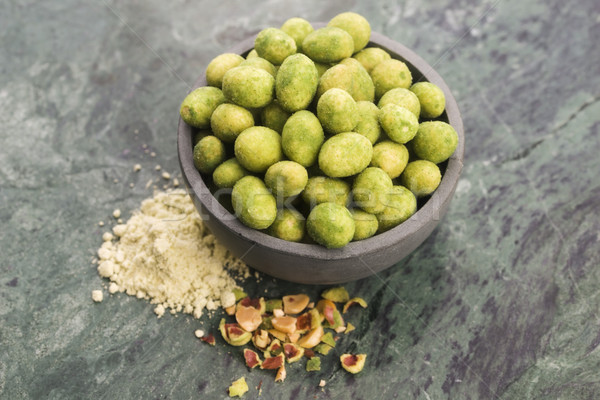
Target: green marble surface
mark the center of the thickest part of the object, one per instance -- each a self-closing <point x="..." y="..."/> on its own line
<point x="502" y="301"/>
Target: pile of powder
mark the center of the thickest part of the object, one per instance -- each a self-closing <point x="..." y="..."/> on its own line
<point x="165" y="254"/>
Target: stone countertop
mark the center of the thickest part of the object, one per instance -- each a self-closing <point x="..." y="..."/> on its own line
<point x="502" y="301"/>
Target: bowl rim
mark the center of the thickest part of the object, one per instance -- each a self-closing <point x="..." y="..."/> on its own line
<point x="376" y="243"/>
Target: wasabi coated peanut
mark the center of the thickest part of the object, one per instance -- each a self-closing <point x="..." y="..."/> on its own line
<point x="368" y="121"/>
<point x="252" y="54"/>
<point x="201" y="134"/>
<point x="228" y="173"/>
<point x="390" y="74"/>
<point x="286" y="178"/>
<point x="328" y="45"/>
<point x="258" y="148"/>
<point x="260" y="63"/>
<point x="253" y="204"/>
<point x="274" y="116"/>
<point x="431" y="97"/>
<point x="330" y="225"/>
<point x="363" y="88"/>
<point x="403" y="98"/>
<point x="435" y="141"/>
<point x="198" y="106"/>
<point x="296" y="82"/>
<point x="399" y="123"/>
<point x="248" y="87"/>
<point x="209" y="152"/>
<point x="339" y="76"/>
<point x="321" y="189"/>
<point x="390" y="157"/>
<point x="365" y="224"/>
<point x="274" y="45"/>
<point x="321" y="68"/>
<point x="288" y="225"/>
<point x="229" y="120"/>
<point x="345" y="154"/>
<point x="356" y="25"/>
<point x="400" y="205"/>
<point x="302" y="138"/>
<point x="370" y="189"/>
<point x="421" y="177"/>
<point x="371" y="57"/>
<point x="219" y="65"/>
<point x="337" y="111"/>
<point x="298" y="29"/>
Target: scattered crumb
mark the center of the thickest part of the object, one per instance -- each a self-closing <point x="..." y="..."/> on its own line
<point x="101" y="223"/>
<point x="146" y="151"/>
<point x="152" y="154"/>
<point x="115" y="180"/>
<point x="113" y="288"/>
<point x="149" y="183"/>
<point x="131" y="185"/>
<point x="199" y="333"/>
<point x="136" y="131"/>
<point x="117" y="213"/>
<point x="166" y="175"/>
<point x="165" y="187"/>
<point x="322" y="383"/>
<point x="176" y="182"/>
<point x="97" y="296"/>
<point x="144" y="146"/>
<point x="137" y="167"/>
<point x="107" y="236"/>
<point x="157" y="168"/>
<point x="159" y="310"/>
<point x="120" y="221"/>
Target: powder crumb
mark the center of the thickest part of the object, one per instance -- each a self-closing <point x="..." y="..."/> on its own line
<point x="117" y="213"/>
<point x="159" y="310"/>
<point x="152" y="154"/>
<point x="158" y="167"/>
<point x="144" y="146"/>
<point x="199" y="333"/>
<point x="147" y="151"/>
<point x="113" y="288"/>
<point x="97" y="296"/>
<point x="166" y="175"/>
<point x="165" y="187"/>
<point x="164" y="253"/>
<point x="101" y="223"/>
<point x="137" y="168"/>
<point x="136" y="131"/>
<point x="107" y="236"/>
<point x="131" y="185"/>
<point x="176" y="182"/>
<point x="120" y="221"/>
<point x="322" y="383"/>
<point x="115" y="180"/>
<point x="148" y="183"/>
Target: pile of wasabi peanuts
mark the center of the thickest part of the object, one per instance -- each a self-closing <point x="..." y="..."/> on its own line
<point x="319" y="138"/>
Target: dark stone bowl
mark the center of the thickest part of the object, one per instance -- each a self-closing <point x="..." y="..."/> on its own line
<point x="311" y="263"/>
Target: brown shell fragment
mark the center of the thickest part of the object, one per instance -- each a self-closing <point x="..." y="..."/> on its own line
<point x="273" y="362"/>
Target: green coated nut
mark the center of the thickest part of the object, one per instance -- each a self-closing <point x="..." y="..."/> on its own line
<point x="322" y="68"/>
<point x="288" y="225"/>
<point x="337" y="111"/>
<point x="363" y="88"/>
<point x="328" y="45"/>
<point x="198" y="106"/>
<point x="321" y="189"/>
<point x="330" y="225"/>
<point x="274" y="116"/>
<point x="274" y="45"/>
<point x="201" y="133"/>
<point x="252" y="54"/>
<point x="302" y="138"/>
<point x="421" y="177"/>
<point x="229" y="120"/>
<point x="370" y="189"/>
<point x="435" y="141"/>
<point x="399" y="123"/>
<point x="258" y="148"/>
<point x="365" y="224"/>
<point x="209" y="152"/>
<point x="260" y="63"/>
<point x="298" y="29"/>
<point x="248" y="87"/>
<point x="339" y="76"/>
<point x="253" y="204"/>
<point x="286" y="178"/>
<point x="390" y="157"/>
<point x="345" y="154"/>
<point x="371" y="57"/>
<point x="228" y="173"/>
<point x="368" y="121"/>
<point x="390" y="74"/>
<point x="431" y="97"/>
<point x="356" y="25"/>
<point x="400" y="205"/>
<point x="403" y="98"/>
<point x="219" y="65"/>
<point x="296" y="82"/>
